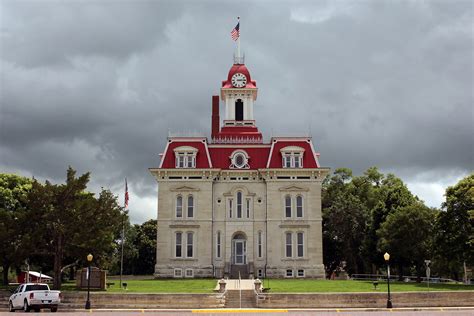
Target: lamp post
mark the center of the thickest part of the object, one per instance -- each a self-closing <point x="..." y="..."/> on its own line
<point x="89" y="260"/>
<point x="386" y="256"/>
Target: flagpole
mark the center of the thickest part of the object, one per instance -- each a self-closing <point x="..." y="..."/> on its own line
<point x="238" y="41"/>
<point x="123" y="231"/>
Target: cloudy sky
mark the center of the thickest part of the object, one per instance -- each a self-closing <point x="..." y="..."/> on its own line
<point x="99" y="84"/>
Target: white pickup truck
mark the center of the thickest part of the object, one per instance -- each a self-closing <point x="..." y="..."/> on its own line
<point x="34" y="296"/>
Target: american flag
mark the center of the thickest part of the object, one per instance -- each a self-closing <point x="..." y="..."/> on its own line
<point x="126" y="193"/>
<point x="235" y="32"/>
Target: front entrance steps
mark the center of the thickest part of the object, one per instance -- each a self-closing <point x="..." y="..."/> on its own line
<point x="234" y="299"/>
<point x="237" y="270"/>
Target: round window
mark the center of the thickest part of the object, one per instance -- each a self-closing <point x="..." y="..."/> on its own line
<point x="239" y="160"/>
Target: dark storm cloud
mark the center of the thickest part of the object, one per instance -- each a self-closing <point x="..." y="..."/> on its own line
<point x="98" y="84"/>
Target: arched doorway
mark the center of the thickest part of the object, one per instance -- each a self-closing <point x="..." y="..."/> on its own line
<point x="239" y="110"/>
<point x="239" y="249"/>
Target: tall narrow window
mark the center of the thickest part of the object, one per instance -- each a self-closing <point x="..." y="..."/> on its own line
<point x="248" y="208"/>
<point x="299" y="206"/>
<point x="239" y="204"/>
<point x="287" y="161"/>
<point x="297" y="161"/>
<point x="179" y="244"/>
<point x="179" y="206"/>
<point x="189" y="245"/>
<point x="259" y="244"/>
<point x="239" y="110"/>
<point x="218" y="246"/>
<point x="288" y="246"/>
<point x="287" y="206"/>
<point x="190" y="206"/>
<point x="230" y="208"/>
<point x="300" y="244"/>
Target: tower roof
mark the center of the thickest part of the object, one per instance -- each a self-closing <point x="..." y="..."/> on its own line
<point x="239" y="68"/>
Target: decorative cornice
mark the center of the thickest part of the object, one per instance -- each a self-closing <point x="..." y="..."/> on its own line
<point x="184" y="188"/>
<point x="293" y="188"/>
<point x="184" y="226"/>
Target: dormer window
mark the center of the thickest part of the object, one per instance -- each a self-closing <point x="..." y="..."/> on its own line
<point x="239" y="160"/>
<point x="185" y="157"/>
<point x="292" y="157"/>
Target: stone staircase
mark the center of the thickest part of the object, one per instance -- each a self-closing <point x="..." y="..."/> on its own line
<point x="232" y="299"/>
<point x="4" y="296"/>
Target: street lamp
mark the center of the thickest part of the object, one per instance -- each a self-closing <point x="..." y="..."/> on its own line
<point x="89" y="260"/>
<point x="386" y="256"/>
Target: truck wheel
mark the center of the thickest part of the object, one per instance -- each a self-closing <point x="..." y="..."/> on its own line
<point x="54" y="309"/>
<point x="10" y="307"/>
<point x="26" y="308"/>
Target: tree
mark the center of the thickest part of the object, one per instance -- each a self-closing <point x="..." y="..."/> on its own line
<point x="454" y="227"/>
<point x="13" y="220"/>
<point x="145" y="243"/>
<point x="407" y="235"/>
<point x="71" y="222"/>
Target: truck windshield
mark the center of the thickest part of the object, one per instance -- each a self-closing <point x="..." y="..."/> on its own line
<point x="36" y="287"/>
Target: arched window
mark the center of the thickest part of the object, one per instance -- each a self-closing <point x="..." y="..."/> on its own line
<point x="179" y="245"/>
<point x="239" y="204"/>
<point x="287" y="206"/>
<point x="218" y="244"/>
<point x="288" y="245"/>
<point x="239" y="110"/>
<point x="300" y="244"/>
<point x="179" y="206"/>
<point x="299" y="206"/>
<point x="189" y="245"/>
<point x="190" y="206"/>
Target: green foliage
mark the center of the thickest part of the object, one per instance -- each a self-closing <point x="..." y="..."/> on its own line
<point x="454" y="238"/>
<point x="13" y="221"/>
<point x="406" y="234"/>
<point x="68" y="222"/>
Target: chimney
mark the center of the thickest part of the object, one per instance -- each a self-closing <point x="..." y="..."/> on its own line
<point x="215" y="117"/>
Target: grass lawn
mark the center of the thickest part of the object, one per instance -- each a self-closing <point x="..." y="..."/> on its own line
<point x="294" y="286"/>
<point x="165" y="286"/>
<point x="275" y="285"/>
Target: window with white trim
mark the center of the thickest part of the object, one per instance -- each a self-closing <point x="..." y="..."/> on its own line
<point x="260" y="273"/>
<point x="289" y="273"/>
<point x="179" y="245"/>
<point x="189" y="273"/>
<point x="300" y="245"/>
<point x="190" y="206"/>
<point x="287" y="206"/>
<point x="260" y="244"/>
<point x="299" y="206"/>
<point x="218" y="244"/>
<point x="179" y="206"/>
<point x="185" y="160"/>
<point x="189" y="244"/>
<point x="300" y="273"/>
<point x="292" y="157"/>
<point x="239" y="204"/>
<point x="185" y="157"/>
<point x="178" y="273"/>
<point x="239" y="160"/>
<point x="288" y="245"/>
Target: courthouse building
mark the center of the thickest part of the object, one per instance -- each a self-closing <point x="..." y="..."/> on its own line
<point x="234" y="203"/>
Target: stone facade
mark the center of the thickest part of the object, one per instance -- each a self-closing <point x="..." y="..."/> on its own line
<point x="236" y="205"/>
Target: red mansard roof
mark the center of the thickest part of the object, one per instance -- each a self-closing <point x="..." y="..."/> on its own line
<point x="261" y="156"/>
<point x="168" y="159"/>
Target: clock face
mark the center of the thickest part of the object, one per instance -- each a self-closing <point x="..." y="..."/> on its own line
<point x="239" y="80"/>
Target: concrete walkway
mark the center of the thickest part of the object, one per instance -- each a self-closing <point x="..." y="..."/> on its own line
<point x="233" y="284"/>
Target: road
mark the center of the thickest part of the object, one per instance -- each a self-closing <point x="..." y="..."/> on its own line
<point x="279" y="312"/>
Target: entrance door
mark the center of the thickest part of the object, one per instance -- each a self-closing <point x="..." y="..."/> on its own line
<point x="240" y="251"/>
